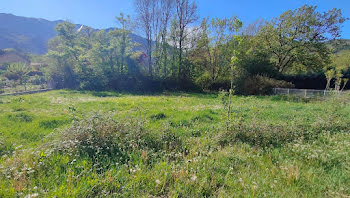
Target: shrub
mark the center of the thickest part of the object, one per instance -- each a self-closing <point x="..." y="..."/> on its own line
<point x="37" y="80"/>
<point x="204" y="81"/>
<point x="262" y="85"/>
<point x="262" y="136"/>
<point x="100" y="137"/>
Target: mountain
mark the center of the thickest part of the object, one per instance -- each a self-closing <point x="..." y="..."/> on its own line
<point x="31" y="35"/>
<point x="340" y="45"/>
<point x="26" y="34"/>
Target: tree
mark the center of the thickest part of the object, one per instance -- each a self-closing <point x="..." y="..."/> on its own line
<point x="18" y="72"/>
<point x="296" y="39"/>
<point x="146" y="16"/>
<point x="94" y="60"/>
<point x="340" y="65"/>
<point x="213" y="52"/>
<point x="165" y="14"/>
<point x="123" y="39"/>
<point x="64" y="51"/>
<point x="186" y="13"/>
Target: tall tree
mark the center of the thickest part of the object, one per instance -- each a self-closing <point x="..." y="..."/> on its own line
<point x="166" y="12"/>
<point x="213" y="50"/>
<point x="146" y="17"/>
<point x="296" y="39"/>
<point x="125" y="44"/>
<point x="186" y="13"/>
<point x="64" y="52"/>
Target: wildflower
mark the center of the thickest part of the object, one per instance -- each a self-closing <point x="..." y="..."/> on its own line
<point x="32" y="195"/>
<point x="194" y="178"/>
<point x="157" y="182"/>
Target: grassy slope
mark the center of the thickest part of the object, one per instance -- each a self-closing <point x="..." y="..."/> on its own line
<point x="307" y="168"/>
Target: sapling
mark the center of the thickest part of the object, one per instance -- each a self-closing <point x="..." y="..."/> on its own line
<point x="233" y="69"/>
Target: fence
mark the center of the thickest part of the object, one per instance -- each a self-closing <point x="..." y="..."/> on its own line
<point x="307" y="93"/>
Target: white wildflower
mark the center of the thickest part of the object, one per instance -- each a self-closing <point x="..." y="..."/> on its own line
<point x="194" y="178"/>
<point x="32" y="195"/>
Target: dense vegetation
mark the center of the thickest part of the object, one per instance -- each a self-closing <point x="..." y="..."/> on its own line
<point x="97" y="138"/>
<point x="176" y="144"/>
<point x="180" y="54"/>
<point x="177" y="56"/>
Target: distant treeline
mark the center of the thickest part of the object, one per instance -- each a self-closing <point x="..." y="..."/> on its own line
<point x="296" y="49"/>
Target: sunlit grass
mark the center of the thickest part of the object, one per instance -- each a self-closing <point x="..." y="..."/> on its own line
<point x="179" y="146"/>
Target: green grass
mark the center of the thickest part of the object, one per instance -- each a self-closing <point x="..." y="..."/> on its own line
<point x="175" y="145"/>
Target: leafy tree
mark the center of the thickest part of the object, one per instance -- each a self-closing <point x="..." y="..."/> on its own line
<point x="296" y="39"/>
<point x="147" y="11"/>
<point x="186" y="14"/>
<point x="213" y="50"/>
<point x="167" y="8"/>
<point x="340" y="65"/>
<point x="18" y="72"/>
<point x="64" y="53"/>
<point x="86" y="59"/>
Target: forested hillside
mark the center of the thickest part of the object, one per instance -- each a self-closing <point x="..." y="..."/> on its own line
<point x="32" y="35"/>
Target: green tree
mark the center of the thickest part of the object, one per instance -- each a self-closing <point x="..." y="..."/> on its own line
<point x="186" y="14"/>
<point x="18" y="72"/>
<point x="340" y="65"/>
<point x="64" y="53"/>
<point x="214" y="50"/>
<point x="296" y="39"/>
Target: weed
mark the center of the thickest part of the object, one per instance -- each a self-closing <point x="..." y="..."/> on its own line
<point x="21" y="117"/>
<point x="52" y="124"/>
<point x="158" y="116"/>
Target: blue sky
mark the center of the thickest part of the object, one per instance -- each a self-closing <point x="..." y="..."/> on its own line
<point x="101" y="13"/>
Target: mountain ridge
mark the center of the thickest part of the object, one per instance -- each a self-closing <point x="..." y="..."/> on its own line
<point x="32" y="35"/>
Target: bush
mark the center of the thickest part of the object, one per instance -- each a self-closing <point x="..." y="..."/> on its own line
<point x="262" y="85"/>
<point x="37" y="80"/>
<point x="262" y="136"/>
<point x="204" y="81"/>
<point x="101" y="138"/>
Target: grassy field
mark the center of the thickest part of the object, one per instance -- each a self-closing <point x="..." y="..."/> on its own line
<point x="103" y="144"/>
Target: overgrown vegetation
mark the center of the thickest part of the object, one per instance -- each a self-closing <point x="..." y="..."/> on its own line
<point x="176" y="144"/>
<point x="174" y="56"/>
<point x="91" y="142"/>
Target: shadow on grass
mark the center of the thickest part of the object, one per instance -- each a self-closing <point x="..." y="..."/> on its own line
<point x="116" y="93"/>
<point x="296" y="99"/>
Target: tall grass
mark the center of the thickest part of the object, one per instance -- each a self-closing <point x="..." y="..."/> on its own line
<point x="173" y="146"/>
